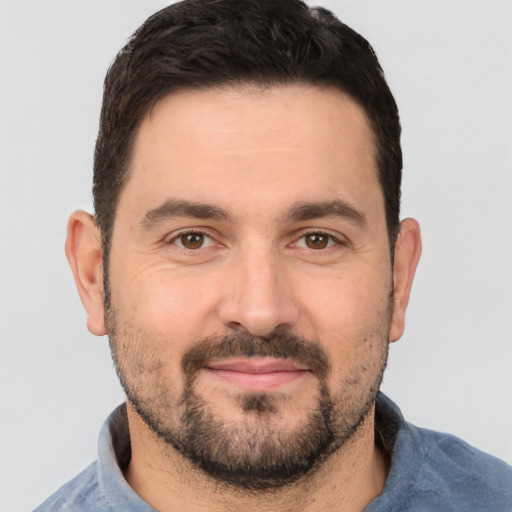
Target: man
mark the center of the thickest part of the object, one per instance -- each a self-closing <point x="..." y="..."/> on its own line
<point x="247" y="262"/>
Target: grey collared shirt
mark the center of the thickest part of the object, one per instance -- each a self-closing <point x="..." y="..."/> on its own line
<point x="430" y="472"/>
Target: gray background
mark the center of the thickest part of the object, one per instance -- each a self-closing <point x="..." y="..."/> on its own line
<point x="449" y="65"/>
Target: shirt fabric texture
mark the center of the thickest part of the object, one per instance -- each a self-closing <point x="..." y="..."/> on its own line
<point x="430" y="471"/>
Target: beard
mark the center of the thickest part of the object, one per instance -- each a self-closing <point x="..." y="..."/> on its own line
<point x="261" y="450"/>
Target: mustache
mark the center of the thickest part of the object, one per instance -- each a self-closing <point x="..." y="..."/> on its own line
<point x="281" y="345"/>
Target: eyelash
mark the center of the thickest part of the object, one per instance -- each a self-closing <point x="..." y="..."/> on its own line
<point x="177" y="237"/>
<point x="332" y="241"/>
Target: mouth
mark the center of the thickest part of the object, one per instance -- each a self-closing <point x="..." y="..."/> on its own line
<point x="256" y="373"/>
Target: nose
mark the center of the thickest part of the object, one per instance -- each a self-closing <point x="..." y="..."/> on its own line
<point x="258" y="295"/>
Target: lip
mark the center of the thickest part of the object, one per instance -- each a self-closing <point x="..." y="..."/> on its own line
<point x="256" y="373"/>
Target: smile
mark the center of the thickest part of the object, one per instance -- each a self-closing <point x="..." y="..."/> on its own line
<point x="256" y="374"/>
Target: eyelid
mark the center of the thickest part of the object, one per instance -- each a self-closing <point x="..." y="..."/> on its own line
<point x="334" y="240"/>
<point x="175" y="237"/>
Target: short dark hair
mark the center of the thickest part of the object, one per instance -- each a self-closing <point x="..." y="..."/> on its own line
<point x="197" y="44"/>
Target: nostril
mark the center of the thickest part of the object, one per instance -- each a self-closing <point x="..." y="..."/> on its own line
<point x="258" y="298"/>
<point x="236" y="326"/>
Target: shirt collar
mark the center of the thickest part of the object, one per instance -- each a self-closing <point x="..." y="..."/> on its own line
<point x="114" y="454"/>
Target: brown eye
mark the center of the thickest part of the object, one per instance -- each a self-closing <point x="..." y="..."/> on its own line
<point x="192" y="240"/>
<point x="316" y="240"/>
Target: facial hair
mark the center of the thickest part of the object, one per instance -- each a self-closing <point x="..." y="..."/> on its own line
<point x="258" y="453"/>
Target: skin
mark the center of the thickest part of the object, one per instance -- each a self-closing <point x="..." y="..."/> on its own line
<point x="255" y="154"/>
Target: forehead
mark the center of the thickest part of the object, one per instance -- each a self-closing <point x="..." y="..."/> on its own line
<point x="273" y="144"/>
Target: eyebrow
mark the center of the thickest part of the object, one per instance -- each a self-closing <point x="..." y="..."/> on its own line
<point x="177" y="208"/>
<point x="303" y="211"/>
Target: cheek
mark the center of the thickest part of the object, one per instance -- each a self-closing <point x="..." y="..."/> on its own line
<point x="156" y="320"/>
<point x="345" y="302"/>
<point x="349" y="316"/>
<point x="165" y="303"/>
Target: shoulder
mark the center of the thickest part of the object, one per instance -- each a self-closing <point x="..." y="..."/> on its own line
<point x="79" y="494"/>
<point x="454" y="456"/>
<point x="454" y="474"/>
<point x="436" y="471"/>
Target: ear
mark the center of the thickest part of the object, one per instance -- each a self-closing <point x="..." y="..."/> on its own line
<point x="407" y="255"/>
<point x="83" y="250"/>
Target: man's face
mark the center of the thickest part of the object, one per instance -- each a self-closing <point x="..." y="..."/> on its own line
<point x="250" y="280"/>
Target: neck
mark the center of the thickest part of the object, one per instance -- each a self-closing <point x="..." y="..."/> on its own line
<point x="349" y="480"/>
